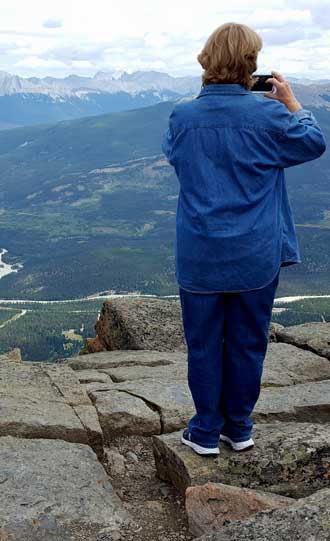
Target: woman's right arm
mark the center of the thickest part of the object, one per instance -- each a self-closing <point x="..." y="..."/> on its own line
<point x="301" y="138"/>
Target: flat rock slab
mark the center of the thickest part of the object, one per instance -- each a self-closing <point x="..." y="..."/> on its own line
<point x="313" y="336"/>
<point x="156" y="399"/>
<point x="286" y="364"/>
<point x="122" y="413"/>
<point x="91" y="376"/>
<point x="48" y="488"/>
<point x="306" y="520"/>
<point x="142" y="407"/>
<point x="305" y="402"/>
<point x="124" y="358"/>
<point x="209" y="507"/>
<point x="291" y="459"/>
<point x="169" y="372"/>
<point x="42" y="401"/>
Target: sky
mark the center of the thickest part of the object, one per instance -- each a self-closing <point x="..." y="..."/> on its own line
<point x="43" y="37"/>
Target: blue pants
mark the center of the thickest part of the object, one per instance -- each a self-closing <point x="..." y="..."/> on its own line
<point x="227" y="338"/>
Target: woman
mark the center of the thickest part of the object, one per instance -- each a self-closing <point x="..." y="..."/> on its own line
<point x="234" y="227"/>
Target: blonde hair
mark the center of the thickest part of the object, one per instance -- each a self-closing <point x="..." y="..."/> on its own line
<point x="230" y="55"/>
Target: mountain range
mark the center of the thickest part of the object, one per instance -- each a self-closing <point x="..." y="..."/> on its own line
<point x="33" y="100"/>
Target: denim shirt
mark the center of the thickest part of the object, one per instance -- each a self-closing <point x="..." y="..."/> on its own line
<point x="234" y="225"/>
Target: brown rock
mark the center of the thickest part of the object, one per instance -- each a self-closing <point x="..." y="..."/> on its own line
<point x="92" y="345"/>
<point x="307" y="519"/>
<point x="211" y="505"/>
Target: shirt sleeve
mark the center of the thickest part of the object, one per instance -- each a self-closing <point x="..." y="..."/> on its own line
<point x="168" y="140"/>
<point x="301" y="139"/>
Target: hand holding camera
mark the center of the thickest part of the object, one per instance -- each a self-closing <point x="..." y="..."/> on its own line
<point x="283" y="92"/>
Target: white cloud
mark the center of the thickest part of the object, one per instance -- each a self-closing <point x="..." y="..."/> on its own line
<point x="52" y="23"/>
<point x="157" y="35"/>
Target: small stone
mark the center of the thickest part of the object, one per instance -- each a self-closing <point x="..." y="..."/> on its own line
<point x="154" y="505"/>
<point x="116" y="462"/>
<point x="108" y="534"/>
<point x="132" y="456"/>
<point x="165" y="490"/>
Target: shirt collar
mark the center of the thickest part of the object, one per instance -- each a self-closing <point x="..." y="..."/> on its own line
<point x="223" y="88"/>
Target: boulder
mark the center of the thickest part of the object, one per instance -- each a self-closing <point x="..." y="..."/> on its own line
<point x="312" y="336"/>
<point x="140" y="323"/>
<point x="308" y="519"/>
<point x="38" y="400"/>
<point x="210" y="506"/>
<point x="51" y="490"/>
<point x="291" y="459"/>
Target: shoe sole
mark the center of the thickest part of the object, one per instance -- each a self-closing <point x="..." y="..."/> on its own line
<point x="238" y="446"/>
<point x="199" y="449"/>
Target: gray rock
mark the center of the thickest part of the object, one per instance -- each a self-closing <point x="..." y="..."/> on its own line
<point x="284" y="365"/>
<point x="312" y="336"/>
<point x="176" y="371"/>
<point x="141" y="407"/>
<point x="124" y="358"/>
<point x="92" y="375"/>
<point x="122" y="413"/>
<point x="155" y="398"/>
<point x="42" y="401"/>
<point x="50" y="487"/>
<point x="288" y="365"/>
<point x="305" y="402"/>
<point x="291" y="459"/>
<point x="306" y="520"/>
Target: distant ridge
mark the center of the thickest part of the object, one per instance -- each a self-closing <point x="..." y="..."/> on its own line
<point x="26" y="101"/>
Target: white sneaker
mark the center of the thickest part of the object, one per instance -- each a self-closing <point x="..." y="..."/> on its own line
<point x="238" y="445"/>
<point x="199" y="449"/>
